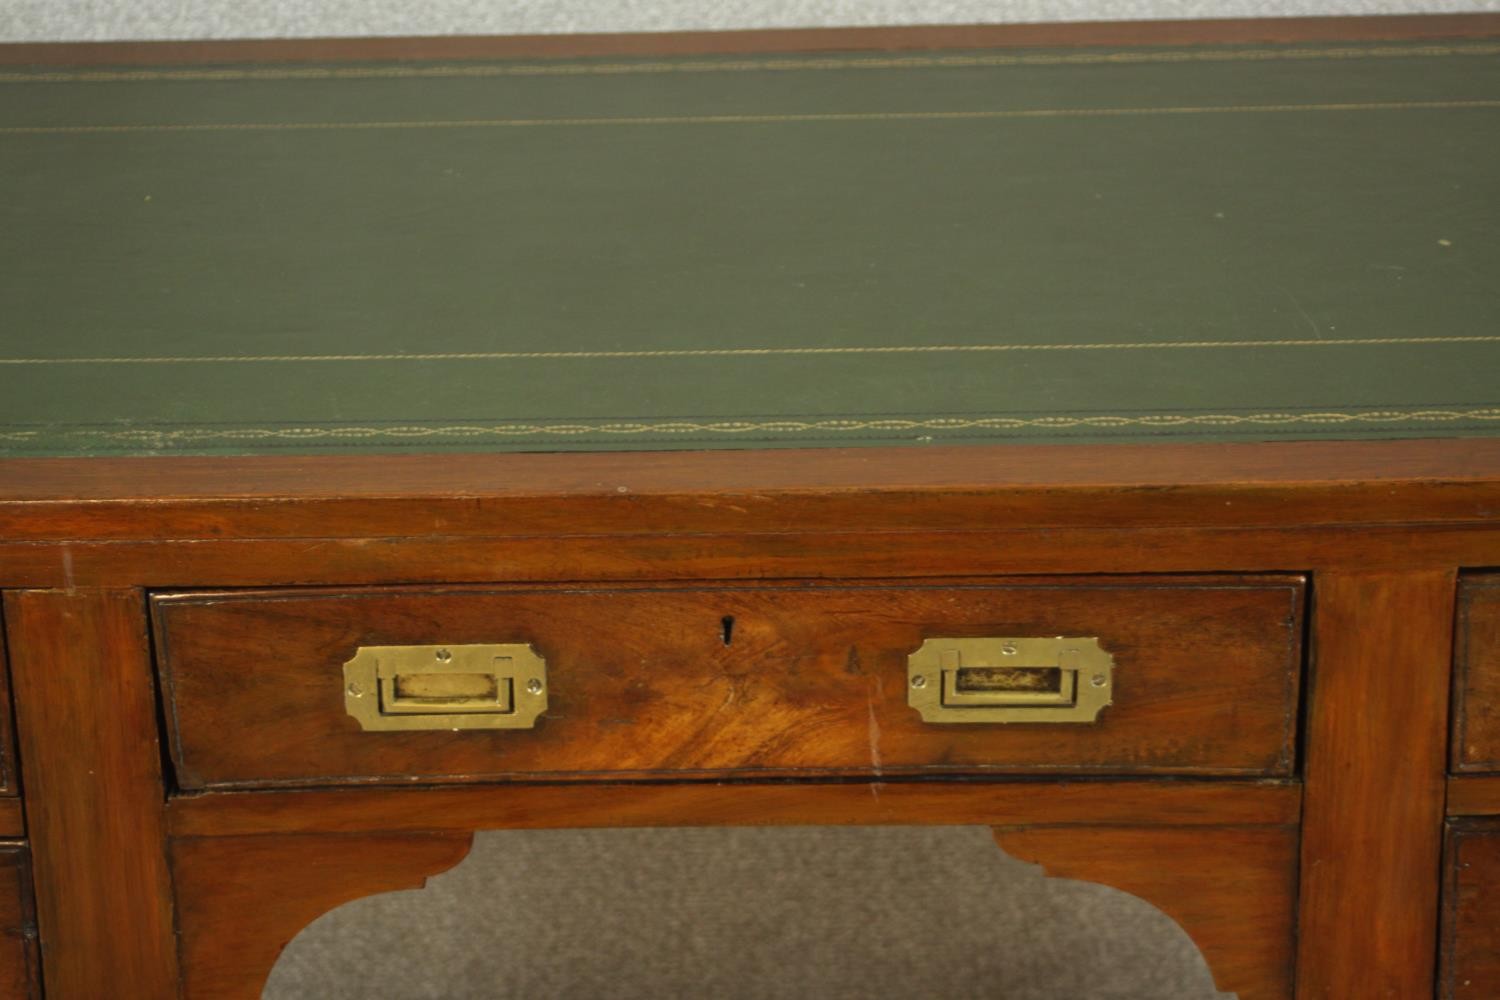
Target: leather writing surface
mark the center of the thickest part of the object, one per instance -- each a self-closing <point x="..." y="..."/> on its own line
<point x="1208" y="243"/>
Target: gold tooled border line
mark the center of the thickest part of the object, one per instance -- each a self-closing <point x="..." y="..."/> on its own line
<point x="769" y="119"/>
<point x="756" y="352"/>
<point x="835" y="426"/>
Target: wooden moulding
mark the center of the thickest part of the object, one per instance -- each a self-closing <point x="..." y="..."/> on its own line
<point x="1127" y="33"/>
<point x="1054" y="803"/>
<point x="183" y="522"/>
<point x="353" y="561"/>
<point x="1223" y="486"/>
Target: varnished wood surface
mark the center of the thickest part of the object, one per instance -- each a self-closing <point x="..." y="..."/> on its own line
<point x="241" y="899"/>
<point x="12" y="818"/>
<point x="1376" y="729"/>
<point x="1471" y="912"/>
<point x="1124" y="33"/>
<point x="987" y="803"/>
<point x="1233" y="889"/>
<point x="20" y="968"/>
<point x="1476" y="680"/>
<point x="352" y="561"/>
<point x="1474" y="795"/>
<point x="809" y="680"/>
<point x="1116" y="485"/>
<point x="92" y="766"/>
<point x="8" y="782"/>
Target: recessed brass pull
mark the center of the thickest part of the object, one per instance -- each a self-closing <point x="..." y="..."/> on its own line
<point x="1057" y="679"/>
<point x="446" y="687"/>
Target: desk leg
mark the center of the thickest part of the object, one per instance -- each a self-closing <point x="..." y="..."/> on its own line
<point x="243" y="899"/>
<point x="86" y="717"/>
<point x="1373" y="809"/>
<point x="1233" y="889"/>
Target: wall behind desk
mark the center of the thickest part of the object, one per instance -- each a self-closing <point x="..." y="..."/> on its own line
<point x="65" y="20"/>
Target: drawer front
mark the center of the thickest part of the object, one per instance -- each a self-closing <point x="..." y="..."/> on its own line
<point x="8" y="784"/>
<point x="732" y="680"/>
<point x="1476" y="675"/>
<point x="1471" y="911"/>
<point x="19" y="968"/>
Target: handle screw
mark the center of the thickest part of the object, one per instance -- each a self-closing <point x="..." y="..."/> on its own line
<point x="919" y="681"/>
<point x="534" y="686"/>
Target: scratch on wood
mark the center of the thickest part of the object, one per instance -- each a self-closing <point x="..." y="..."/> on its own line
<point x="872" y="694"/>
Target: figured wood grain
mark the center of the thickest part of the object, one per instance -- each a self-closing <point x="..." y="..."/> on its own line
<point x="1233" y="889"/>
<point x="1476" y="676"/>
<point x="1376" y="729"/>
<point x="811" y="680"/>
<point x="1471" y="911"/>
<point x="1226" y="31"/>
<point x="20" y="970"/>
<point x="530" y="806"/>
<point x="242" y="899"/>
<point x="92" y="765"/>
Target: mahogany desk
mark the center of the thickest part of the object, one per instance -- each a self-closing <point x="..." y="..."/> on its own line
<point x="1086" y="431"/>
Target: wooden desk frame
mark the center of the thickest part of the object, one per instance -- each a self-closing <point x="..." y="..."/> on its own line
<point x="1383" y="528"/>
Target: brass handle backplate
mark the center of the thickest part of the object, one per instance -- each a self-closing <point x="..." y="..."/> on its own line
<point x="446" y="687"/>
<point x="1057" y="679"/>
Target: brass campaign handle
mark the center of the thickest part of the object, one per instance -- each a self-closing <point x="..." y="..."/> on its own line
<point x="446" y="687"/>
<point x="1058" y="679"/>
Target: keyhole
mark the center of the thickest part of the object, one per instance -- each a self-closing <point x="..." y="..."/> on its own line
<point x="727" y="624"/>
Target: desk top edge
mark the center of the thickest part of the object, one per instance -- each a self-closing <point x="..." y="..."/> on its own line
<point x="956" y="468"/>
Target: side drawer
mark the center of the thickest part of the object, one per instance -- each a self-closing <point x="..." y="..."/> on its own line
<point x="659" y="681"/>
<point x="1471" y="911"/>
<point x="1476" y="675"/>
<point x="19" y="966"/>
<point x="8" y="785"/>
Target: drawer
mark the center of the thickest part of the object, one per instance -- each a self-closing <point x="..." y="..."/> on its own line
<point x="735" y="680"/>
<point x="1471" y="911"/>
<point x="19" y="968"/>
<point x="1476" y="675"/>
<point x="8" y="784"/>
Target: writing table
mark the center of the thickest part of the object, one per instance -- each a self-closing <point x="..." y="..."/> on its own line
<point x="1087" y="432"/>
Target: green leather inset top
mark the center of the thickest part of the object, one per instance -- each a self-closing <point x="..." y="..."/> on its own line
<point x="1208" y="243"/>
